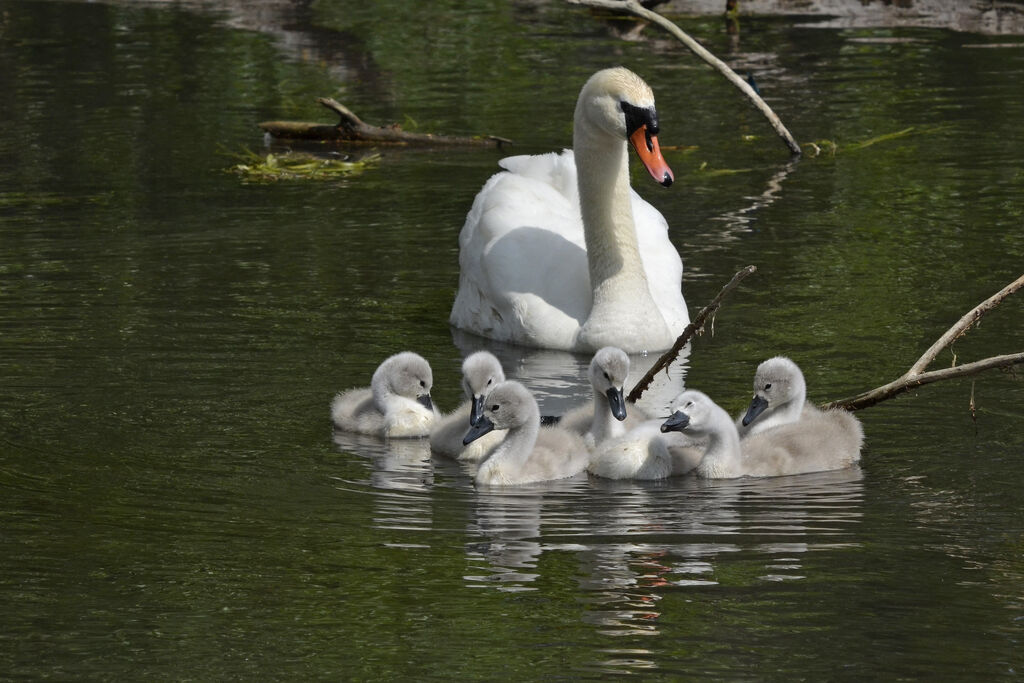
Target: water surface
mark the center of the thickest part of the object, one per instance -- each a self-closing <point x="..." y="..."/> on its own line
<point x="175" y="504"/>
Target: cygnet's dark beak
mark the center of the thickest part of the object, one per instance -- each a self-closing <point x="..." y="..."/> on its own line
<point x="757" y="406"/>
<point x="483" y="425"/>
<point x="476" y="409"/>
<point x="616" y="403"/>
<point x="425" y="401"/>
<point x="676" y="422"/>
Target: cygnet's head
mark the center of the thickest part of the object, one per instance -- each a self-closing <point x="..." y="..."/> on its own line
<point x="507" y="406"/>
<point x="608" y="371"/>
<point x="777" y="383"/>
<point x="692" y="412"/>
<point x="406" y="374"/>
<point x="481" y="371"/>
<point x="619" y="103"/>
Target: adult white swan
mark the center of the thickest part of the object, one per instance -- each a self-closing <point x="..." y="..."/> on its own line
<point x="558" y="252"/>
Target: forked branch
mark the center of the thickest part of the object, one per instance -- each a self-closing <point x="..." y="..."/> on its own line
<point x="917" y="375"/>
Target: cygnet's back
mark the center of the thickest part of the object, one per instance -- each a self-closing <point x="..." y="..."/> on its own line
<point x="480" y="372"/>
<point x="396" y="404"/>
<point x="528" y="453"/>
<point x="644" y="452"/>
<point x="824" y="440"/>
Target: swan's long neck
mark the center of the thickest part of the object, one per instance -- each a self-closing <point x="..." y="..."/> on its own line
<point x="722" y="457"/>
<point x="622" y="299"/>
<point x="602" y="169"/>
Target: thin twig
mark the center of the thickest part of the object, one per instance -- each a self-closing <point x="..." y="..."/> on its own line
<point x="636" y="9"/>
<point x="695" y="326"/>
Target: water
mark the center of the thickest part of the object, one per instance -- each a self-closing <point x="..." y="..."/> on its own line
<point x="175" y="505"/>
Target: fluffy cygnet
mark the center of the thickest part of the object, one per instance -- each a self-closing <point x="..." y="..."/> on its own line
<point x="529" y="453"/>
<point x="830" y="440"/>
<point x="396" y="404"/>
<point x="480" y="372"/>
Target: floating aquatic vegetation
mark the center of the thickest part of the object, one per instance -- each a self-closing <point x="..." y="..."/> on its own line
<point x="299" y="166"/>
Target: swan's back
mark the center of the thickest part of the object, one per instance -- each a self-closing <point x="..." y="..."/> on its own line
<point x="826" y="440"/>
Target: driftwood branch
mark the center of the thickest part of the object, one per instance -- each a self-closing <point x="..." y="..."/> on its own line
<point x="917" y="375"/>
<point x="695" y="327"/>
<point x="636" y="9"/>
<point x="351" y="128"/>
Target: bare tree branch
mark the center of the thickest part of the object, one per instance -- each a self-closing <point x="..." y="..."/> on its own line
<point x="351" y="128"/>
<point x="696" y="326"/>
<point x="636" y="9"/>
<point x="917" y="376"/>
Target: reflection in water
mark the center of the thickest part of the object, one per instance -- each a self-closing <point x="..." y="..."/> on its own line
<point x="508" y="524"/>
<point x="401" y="464"/>
<point x="558" y="379"/>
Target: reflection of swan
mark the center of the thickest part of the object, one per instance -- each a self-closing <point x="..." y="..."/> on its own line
<point x="509" y="524"/>
<point x="557" y="251"/>
<point x="480" y="372"/>
<point x="830" y="440"/>
<point x="780" y="397"/>
<point x="528" y="454"/>
<point x="397" y="403"/>
<point x="559" y="381"/>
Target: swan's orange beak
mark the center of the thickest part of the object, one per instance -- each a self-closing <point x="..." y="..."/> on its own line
<point x="647" y="149"/>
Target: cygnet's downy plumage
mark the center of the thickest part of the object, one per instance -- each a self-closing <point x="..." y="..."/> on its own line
<point x="828" y="440"/>
<point x="606" y="416"/>
<point x="644" y="452"/>
<point x="396" y="404"/>
<point x="481" y="371"/>
<point x="780" y="397"/>
<point x="529" y="453"/>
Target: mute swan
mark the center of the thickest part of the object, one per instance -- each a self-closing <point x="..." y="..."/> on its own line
<point x="480" y="372"/>
<point x="396" y="404"/>
<point x="829" y="440"/>
<point x="558" y="252"/>
<point x="606" y="415"/>
<point x="529" y="453"/>
<point x="644" y="452"/>
<point x="780" y="397"/>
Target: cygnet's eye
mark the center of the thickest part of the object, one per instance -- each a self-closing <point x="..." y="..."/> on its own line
<point x="607" y="377"/>
<point x="490" y="381"/>
<point x="768" y="386"/>
<point x="494" y="408"/>
<point x="689" y="404"/>
<point x="423" y="384"/>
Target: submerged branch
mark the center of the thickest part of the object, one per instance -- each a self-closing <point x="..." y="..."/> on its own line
<point x="917" y="375"/>
<point x="636" y="9"/>
<point x="695" y="327"/>
<point x="351" y="128"/>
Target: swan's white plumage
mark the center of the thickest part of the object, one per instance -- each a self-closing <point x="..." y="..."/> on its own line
<point x="396" y="404"/>
<point x="524" y="273"/>
<point x="529" y="453"/>
<point x="827" y="440"/>
<point x="480" y="372"/>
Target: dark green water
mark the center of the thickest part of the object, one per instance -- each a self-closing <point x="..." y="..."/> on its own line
<point x="174" y="506"/>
